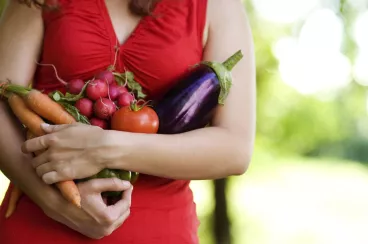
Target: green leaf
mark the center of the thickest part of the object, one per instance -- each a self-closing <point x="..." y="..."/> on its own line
<point x="132" y="84"/>
<point x="75" y="113"/>
<point x="56" y="96"/>
<point x="120" y="80"/>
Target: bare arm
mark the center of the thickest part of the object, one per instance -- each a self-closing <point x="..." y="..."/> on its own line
<point x="20" y="41"/>
<point x="213" y="152"/>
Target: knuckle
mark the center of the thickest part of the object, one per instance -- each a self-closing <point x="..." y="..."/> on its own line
<point x="51" y="139"/>
<point x="93" y="184"/>
<point x="107" y="231"/>
<point x="39" y="171"/>
<point x="97" y="236"/>
<point x="108" y="219"/>
<point x="128" y="213"/>
<point x="53" y="156"/>
<point x="64" y="170"/>
<point x="114" y="181"/>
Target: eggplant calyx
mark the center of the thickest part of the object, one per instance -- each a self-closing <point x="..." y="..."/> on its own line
<point x="223" y="73"/>
<point x="224" y="77"/>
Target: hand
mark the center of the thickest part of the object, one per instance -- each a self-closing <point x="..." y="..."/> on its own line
<point x="95" y="220"/>
<point x="72" y="151"/>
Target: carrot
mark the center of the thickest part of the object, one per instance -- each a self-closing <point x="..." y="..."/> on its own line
<point x="27" y="117"/>
<point x="67" y="188"/>
<point x="33" y="122"/>
<point x="41" y="104"/>
<point x="15" y="195"/>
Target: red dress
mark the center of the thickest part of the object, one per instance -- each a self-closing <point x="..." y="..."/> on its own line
<point x="80" y="41"/>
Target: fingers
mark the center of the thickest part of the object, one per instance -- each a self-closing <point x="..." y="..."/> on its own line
<point x="52" y="173"/>
<point x="43" y="142"/>
<point x="108" y="184"/>
<point x="119" y="212"/>
<point x="37" y="144"/>
<point x="119" y="222"/>
<point x="123" y="205"/>
<point x="54" y="128"/>
<point x="41" y="159"/>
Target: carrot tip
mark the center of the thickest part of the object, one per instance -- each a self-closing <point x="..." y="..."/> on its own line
<point x="75" y="200"/>
<point x="8" y="213"/>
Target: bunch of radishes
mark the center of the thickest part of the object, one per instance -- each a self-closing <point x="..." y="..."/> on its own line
<point x="102" y="97"/>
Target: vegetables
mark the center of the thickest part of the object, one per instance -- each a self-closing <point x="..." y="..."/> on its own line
<point x="106" y="76"/>
<point x="135" y="118"/>
<point x="100" y="123"/>
<point x="75" y="86"/>
<point x="25" y="115"/>
<point x="97" y="89"/>
<point x="85" y="107"/>
<point x="125" y="99"/>
<point x="114" y="92"/>
<point x="41" y="104"/>
<point x="15" y="195"/>
<point x="86" y="102"/>
<point x="32" y="121"/>
<point x="189" y="105"/>
<point x="104" y="108"/>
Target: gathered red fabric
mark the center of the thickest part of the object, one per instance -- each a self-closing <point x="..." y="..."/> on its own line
<point x="80" y="40"/>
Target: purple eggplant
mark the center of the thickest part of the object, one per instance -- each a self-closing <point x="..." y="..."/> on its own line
<point x="190" y="104"/>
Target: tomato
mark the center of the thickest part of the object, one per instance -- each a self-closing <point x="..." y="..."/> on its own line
<point x="134" y="118"/>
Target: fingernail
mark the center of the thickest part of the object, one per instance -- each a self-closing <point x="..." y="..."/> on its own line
<point x="45" y="125"/>
<point x="126" y="183"/>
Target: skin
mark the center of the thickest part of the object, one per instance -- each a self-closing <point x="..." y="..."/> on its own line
<point x="73" y="151"/>
<point x="95" y="219"/>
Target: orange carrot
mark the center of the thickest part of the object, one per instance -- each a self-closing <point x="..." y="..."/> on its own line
<point x="33" y="122"/>
<point x="41" y="104"/>
<point x="67" y="188"/>
<point x="15" y="195"/>
<point x="27" y="117"/>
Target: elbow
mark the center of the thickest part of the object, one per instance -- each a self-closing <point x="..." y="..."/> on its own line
<point x="241" y="158"/>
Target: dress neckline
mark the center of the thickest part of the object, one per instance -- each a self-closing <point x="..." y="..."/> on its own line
<point x="112" y="32"/>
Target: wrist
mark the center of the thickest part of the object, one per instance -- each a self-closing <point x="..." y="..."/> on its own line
<point x="117" y="146"/>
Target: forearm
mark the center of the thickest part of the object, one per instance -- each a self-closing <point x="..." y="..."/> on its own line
<point x="16" y="165"/>
<point x="208" y="153"/>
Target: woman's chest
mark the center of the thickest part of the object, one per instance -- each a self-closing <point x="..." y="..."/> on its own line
<point x="82" y="39"/>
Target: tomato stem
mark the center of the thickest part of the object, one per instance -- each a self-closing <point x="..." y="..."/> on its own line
<point x="134" y="106"/>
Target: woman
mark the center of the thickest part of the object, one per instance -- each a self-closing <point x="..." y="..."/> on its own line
<point x="157" y="41"/>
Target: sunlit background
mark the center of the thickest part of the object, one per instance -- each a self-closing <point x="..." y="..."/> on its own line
<point x="308" y="181"/>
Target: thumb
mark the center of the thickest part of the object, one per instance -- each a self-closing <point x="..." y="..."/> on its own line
<point x="107" y="184"/>
<point x="53" y="128"/>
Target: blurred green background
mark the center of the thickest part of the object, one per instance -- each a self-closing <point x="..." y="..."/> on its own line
<point x="308" y="180"/>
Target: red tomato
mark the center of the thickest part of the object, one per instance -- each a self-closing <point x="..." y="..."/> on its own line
<point x="139" y="120"/>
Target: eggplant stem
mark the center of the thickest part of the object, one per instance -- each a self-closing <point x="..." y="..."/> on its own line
<point x="233" y="60"/>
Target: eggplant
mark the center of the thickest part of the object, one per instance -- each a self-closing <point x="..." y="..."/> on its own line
<point x="191" y="102"/>
<point x="189" y="105"/>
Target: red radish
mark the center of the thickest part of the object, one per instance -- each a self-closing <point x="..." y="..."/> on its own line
<point x="104" y="108"/>
<point x="85" y="107"/>
<point x="106" y="75"/>
<point x="97" y="89"/>
<point x="99" y="122"/>
<point x="115" y="91"/>
<point x="125" y="99"/>
<point x="75" y="86"/>
<point x="115" y="83"/>
<point x="122" y="89"/>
